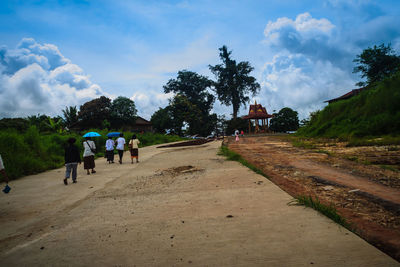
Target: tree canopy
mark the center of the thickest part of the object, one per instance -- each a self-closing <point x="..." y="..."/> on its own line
<point x="285" y="120"/>
<point x="376" y="63"/>
<point x="122" y="112"/>
<point x="94" y="112"/>
<point x="192" y="103"/>
<point x="233" y="81"/>
<point x="194" y="87"/>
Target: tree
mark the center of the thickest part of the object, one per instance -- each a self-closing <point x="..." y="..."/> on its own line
<point x="233" y="81"/>
<point x="122" y="112"/>
<point x="181" y="112"/>
<point x="236" y="124"/>
<point x="161" y="120"/>
<point x="94" y="112"/>
<point x="194" y="88"/>
<point x="376" y="63"/>
<point x="70" y="116"/>
<point x="285" y="120"/>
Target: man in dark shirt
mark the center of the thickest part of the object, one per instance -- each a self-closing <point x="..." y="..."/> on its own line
<point x="72" y="158"/>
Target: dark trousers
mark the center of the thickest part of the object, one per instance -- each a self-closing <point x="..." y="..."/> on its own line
<point x="110" y="155"/>
<point x="120" y="153"/>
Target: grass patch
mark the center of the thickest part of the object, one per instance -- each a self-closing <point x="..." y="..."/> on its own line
<point x="303" y="143"/>
<point x="231" y="155"/>
<point x="329" y="211"/>
<point x="381" y="141"/>
<point x="324" y="152"/>
<point x="352" y="158"/>
<point x="389" y="167"/>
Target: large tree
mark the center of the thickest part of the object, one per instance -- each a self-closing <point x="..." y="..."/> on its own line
<point x="122" y="112"/>
<point x="183" y="112"/>
<point x="234" y="82"/>
<point x="94" y="112"/>
<point x="193" y="88"/>
<point x="285" y="120"/>
<point x="376" y="63"/>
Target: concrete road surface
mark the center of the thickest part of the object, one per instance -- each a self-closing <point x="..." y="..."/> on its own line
<point x="183" y="206"/>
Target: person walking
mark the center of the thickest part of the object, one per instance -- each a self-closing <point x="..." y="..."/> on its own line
<point x="72" y="158"/>
<point x="134" y="148"/>
<point x="110" y="150"/>
<point x="120" y="146"/>
<point x="88" y="155"/>
<point x="237" y="135"/>
<point x="3" y="172"/>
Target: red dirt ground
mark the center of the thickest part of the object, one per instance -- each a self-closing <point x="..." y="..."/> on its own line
<point x="367" y="196"/>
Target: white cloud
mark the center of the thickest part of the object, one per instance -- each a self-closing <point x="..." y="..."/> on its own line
<point x="149" y="102"/>
<point x="37" y="78"/>
<point x="302" y="87"/>
<point x="309" y="68"/>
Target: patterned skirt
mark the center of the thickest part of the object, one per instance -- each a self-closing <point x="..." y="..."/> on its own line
<point x="88" y="162"/>
<point x="134" y="152"/>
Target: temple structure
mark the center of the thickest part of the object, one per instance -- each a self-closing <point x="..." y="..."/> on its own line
<point x="258" y="113"/>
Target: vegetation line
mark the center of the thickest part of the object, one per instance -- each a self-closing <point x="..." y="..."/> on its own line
<point x="231" y="155"/>
<point x="329" y="211"/>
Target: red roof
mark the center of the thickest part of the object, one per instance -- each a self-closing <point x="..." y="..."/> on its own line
<point x="257" y="111"/>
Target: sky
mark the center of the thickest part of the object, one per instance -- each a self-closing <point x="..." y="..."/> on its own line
<point x="55" y="54"/>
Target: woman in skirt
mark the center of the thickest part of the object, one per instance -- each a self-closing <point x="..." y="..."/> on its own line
<point x="88" y="155"/>
<point x="110" y="150"/>
<point x="134" y="148"/>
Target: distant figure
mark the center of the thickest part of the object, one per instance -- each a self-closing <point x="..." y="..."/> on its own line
<point x="88" y="155"/>
<point x="120" y="146"/>
<point x="237" y="135"/>
<point x="110" y="150"/>
<point x="134" y="148"/>
<point x="72" y="158"/>
<point x="242" y="133"/>
<point x="5" y="176"/>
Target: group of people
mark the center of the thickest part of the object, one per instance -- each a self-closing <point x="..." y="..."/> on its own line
<point x="73" y="158"/>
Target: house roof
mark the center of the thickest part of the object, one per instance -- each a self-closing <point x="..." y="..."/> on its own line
<point x="347" y="95"/>
<point x="141" y="121"/>
<point x="257" y="111"/>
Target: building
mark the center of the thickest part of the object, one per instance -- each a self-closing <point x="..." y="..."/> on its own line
<point x="347" y="95"/>
<point x="257" y="112"/>
<point x="142" y="125"/>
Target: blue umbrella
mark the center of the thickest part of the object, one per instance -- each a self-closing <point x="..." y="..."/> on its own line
<point x="91" y="134"/>
<point x="113" y="134"/>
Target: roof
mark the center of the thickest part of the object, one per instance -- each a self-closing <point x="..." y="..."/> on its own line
<point x="347" y="95"/>
<point x="141" y="121"/>
<point x="257" y="111"/>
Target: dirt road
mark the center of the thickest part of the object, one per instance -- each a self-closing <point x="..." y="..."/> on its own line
<point x="178" y="207"/>
<point x="367" y="196"/>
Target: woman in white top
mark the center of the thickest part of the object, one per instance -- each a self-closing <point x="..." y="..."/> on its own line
<point x="120" y="144"/>
<point x="134" y="148"/>
<point x="88" y="155"/>
<point x="110" y="150"/>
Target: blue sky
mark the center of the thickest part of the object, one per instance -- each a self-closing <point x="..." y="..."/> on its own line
<point x="61" y="53"/>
